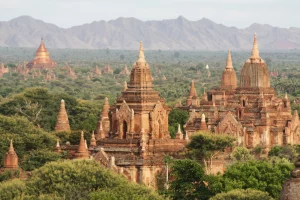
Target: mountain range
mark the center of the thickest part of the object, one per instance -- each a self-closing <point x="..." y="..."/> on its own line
<point x="125" y="33"/>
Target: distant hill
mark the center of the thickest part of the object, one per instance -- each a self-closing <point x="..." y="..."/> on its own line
<point x="125" y="33"/>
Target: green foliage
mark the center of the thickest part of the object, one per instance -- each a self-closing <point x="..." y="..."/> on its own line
<point x="124" y="192"/>
<point x="43" y="197"/>
<point x="289" y="152"/>
<point x="78" y="178"/>
<point x="188" y="181"/>
<point x="241" y="154"/>
<point x="13" y="189"/>
<point x="83" y="115"/>
<point x="38" y="158"/>
<point x="261" y="175"/>
<point x="25" y="135"/>
<point x="238" y="194"/>
<point x="207" y="144"/>
<point x="9" y="174"/>
<point x="177" y="116"/>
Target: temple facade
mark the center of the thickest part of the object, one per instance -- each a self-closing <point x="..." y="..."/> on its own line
<point x="132" y="135"/>
<point x="42" y="59"/>
<point x="250" y="111"/>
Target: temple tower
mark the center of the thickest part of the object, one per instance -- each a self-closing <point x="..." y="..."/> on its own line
<point x="193" y="98"/>
<point x="229" y="77"/>
<point x="62" y="123"/>
<point x="139" y="106"/>
<point x="11" y="158"/>
<point x="42" y="59"/>
<point x="255" y="73"/>
<point x="82" y="151"/>
<point x="103" y="122"/>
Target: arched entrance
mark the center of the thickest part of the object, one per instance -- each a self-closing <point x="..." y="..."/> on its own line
<point x="124" y="129"/>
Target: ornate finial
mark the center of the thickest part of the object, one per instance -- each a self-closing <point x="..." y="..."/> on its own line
<point x="125" y="86"/>
<point x="141" y="58"/>
<point x="286" y="96"/>
<point x="229" y="61"/>
<point x="179" y="134"/>
<point x="179" y="129"/>
<point x="11" y="147"/>
<point x="255" y="52"/>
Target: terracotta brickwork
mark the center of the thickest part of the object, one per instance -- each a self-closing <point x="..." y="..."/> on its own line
<point x="62" y="123"/>
<point x="11" y="158"/>
<point x="138" y="138"/>
<point x="251" y="112"/>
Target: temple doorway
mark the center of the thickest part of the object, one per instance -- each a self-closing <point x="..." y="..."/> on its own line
<point x="124" y="129"/>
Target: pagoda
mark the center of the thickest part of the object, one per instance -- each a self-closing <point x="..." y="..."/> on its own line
<point x="250" y="112"/>
<point x="62" y="122"/>
<point x="138" y="138"/>
<point x="11" y="158"/>
<point x="42" y="59"/>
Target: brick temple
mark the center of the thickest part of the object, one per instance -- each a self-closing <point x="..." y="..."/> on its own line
<point x="132" y="136"/>
<point x="250" y="111"/>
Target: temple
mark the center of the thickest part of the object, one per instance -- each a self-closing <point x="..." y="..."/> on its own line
<point x="132" y="135"/>
<point x="251" y="112"/>
<point x="42" y="59"/>
<point x="62" y="122"/>
<point x="11" y="158"/>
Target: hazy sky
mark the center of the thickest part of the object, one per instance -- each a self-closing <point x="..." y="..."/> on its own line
<point x="239" y="13"/>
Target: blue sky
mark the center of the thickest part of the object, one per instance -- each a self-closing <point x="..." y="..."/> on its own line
<point x="239" y="13"/>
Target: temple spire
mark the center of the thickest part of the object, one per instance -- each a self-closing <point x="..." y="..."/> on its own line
<point x="82" y="151"/>
<point x="193" y="92"/>
<point x="255" y="52"/>
<point x="62" y="123"/>
<point x="93" y="140"/>
<point x="11" y="147"/>
<point x="286" y="96"/>
<point x="229" y="61"/>
<point x="141" y="58"/>
<point x="179" y="134"/>
<point x="57" y="148"/>
<point x="105" y="110"/>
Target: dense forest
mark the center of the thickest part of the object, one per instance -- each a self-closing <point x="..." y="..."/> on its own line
<point x="29" y="104"/>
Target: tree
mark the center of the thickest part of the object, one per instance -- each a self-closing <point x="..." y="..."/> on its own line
<point x="38" y="158"/>
<point x="126" y="191"/>
<point x="188" y="181"/>
<point x="13" y="189"/>
<point x="122" y="57"/>
<point x="288" y="152"/>
<point x="262" y="175"/>
<point x="207" y="146"/>
<point x="76" y="179"/>
<point x="238" y="194"/>
<point x="25" y="135"/>
<point x="241" y="154"/>
<point x="177" y="116"/>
